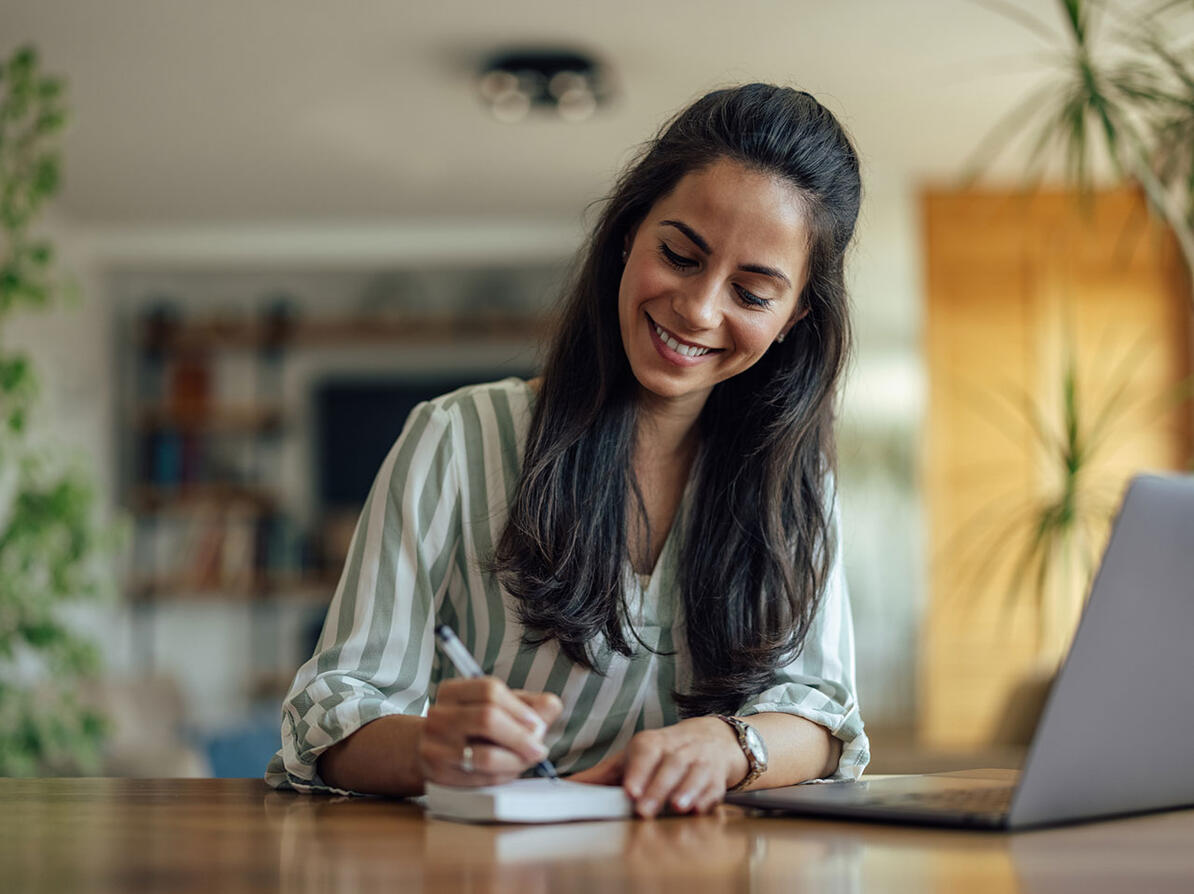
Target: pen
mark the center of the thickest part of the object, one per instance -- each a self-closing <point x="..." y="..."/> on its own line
<point x="467" y="666"/>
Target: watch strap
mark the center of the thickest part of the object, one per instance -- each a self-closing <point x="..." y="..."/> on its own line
<point x="754" y="766"/>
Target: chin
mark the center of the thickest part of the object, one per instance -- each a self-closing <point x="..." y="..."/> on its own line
<point x="669" y="388"/>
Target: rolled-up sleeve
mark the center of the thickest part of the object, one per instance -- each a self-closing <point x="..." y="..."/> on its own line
<point x="818" y="684"/>
<point x="374" y="656"/>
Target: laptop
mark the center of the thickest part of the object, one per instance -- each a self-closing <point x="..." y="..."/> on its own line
<point x="1117" y="732"/>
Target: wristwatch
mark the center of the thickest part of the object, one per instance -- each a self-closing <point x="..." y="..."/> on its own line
<point x="752" y="746"/>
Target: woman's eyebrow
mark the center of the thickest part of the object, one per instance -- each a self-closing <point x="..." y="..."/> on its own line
<point x="766" y="271"/>
<point x="699" y="241"/>
<point x="688" y="231"/>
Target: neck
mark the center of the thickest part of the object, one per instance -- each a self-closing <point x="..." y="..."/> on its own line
<point x="667" y="429"/>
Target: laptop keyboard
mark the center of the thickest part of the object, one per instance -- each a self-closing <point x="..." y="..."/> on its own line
<point x="993" y="799"/>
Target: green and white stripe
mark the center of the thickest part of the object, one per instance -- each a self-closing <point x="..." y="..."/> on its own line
<point x="436" y="509"/>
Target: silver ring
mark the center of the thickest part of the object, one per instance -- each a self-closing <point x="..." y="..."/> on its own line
<point x="466" y="759"/>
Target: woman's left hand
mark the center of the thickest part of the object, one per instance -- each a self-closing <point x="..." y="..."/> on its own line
<point x="687" y="766"/>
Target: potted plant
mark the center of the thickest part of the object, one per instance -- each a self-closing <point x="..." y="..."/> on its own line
<point x="1124" y="89"/>
<point x="53" y="551"/>
<point x="1054" y="538"/>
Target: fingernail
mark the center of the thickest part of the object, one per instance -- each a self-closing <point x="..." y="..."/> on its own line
<point x="682" y="802"/>
<point x="540" y="752"/>
<point x="647" y="808"/>
<point x="537" y="724"/>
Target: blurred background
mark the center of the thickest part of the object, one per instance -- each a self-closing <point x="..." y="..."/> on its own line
<point x="287" y="222"/>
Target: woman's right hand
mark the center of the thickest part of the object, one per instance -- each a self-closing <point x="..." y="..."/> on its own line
<point x="504" y="729"/>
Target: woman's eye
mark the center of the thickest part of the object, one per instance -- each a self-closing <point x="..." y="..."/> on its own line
<point x="674" y="260"/>
<point x="750" y="299"/>
<point x="679" y="262"/>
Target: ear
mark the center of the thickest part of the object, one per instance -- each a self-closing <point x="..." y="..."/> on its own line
<point x="796" y="318"/>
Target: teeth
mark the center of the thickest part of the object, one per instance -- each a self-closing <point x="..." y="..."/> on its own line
<point x="686" y="350"/>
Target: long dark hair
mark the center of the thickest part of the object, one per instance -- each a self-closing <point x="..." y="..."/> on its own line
<point x="759" y="543"/>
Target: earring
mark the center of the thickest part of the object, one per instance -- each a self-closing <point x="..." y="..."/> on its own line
<point x="779" y="338"/>
<point x="625" y="255"/>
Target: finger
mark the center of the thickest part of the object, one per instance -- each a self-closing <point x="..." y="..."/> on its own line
<point x="456" y="724"/>
<point x="490" y="690"/>
<point x="668" y="772"/>
<point x="494" y="725"/>
<point x="694" y="783"/>
<point x="490" y="765"/>
<point x="546" y="704"/>
<point x="643" y="755"/>
<point x="712" y="795"/>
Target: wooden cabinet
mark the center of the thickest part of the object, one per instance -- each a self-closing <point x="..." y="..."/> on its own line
<point x="1015" y="286"/>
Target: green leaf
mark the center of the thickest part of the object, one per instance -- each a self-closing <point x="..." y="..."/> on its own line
<point x="996" y="140"/>
<point x="43" y="633"/>
<point x="52" y="548"/>
<point x="46" y="175"/>
<point x="50" y="121"/>
<point x="41" y="254"/>
<point x="23" y="63"/>
<point x="49" y="88"/>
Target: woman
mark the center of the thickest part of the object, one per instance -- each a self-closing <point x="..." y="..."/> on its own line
<point x="640" y="547"/>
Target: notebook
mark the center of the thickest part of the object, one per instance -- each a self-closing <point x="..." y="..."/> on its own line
<point x="1114" y="736"/>
<point x="528" y="801"/>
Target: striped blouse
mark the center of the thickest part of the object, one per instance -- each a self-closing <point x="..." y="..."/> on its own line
<point x="434" y="514"/>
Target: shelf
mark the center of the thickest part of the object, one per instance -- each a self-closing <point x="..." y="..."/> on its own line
<point x="287" y="588"/>
<point x="420" y="330"/>
<point x="197" y="497"/>
<point x="218" y="335"/>
<point x="203" y="490"/>
<point x="210" y="420"/>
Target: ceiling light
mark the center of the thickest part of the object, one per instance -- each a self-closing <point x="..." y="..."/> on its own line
<point x="564" y="83"/>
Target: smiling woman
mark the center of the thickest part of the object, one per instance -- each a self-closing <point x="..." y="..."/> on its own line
<point x="640" y="547"/>
<point x="694" y="308"/>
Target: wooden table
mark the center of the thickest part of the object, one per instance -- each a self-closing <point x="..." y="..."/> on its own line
<point x="219" y="835"/>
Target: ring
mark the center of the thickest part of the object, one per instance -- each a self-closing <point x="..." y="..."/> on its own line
<point x="466" y="759"/>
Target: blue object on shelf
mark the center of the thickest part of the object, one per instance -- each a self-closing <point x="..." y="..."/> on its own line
<point x="243" y="751"/>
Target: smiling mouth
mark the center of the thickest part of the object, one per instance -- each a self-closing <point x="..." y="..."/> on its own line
<point x="680" y="347"/>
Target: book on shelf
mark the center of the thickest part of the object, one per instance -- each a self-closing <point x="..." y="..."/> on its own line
<point x="190" y="385"/>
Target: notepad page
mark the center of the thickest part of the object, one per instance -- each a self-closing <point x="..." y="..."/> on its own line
<point x="528" y="801"/>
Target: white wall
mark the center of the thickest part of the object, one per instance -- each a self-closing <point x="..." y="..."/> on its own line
<point x="879" y="449"/>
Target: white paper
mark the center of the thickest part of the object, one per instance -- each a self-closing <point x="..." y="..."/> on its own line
<point x="535" y="800"/>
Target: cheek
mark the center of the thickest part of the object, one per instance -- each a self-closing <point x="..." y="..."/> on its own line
<point x="637" y="288"/>
<point x="754" y="337"/>
<point x="643" y="283"/>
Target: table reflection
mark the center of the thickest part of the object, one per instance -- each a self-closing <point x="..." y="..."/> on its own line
<point x="356" y="844"/>
<point x="361" y="844"/>
<point x="691" y="853"/>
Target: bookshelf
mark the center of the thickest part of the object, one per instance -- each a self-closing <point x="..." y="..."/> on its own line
<point x="205" y="422"/>
<point x="238" y="393"/>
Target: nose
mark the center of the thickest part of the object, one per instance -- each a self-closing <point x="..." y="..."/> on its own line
<point x="696" y="302"/>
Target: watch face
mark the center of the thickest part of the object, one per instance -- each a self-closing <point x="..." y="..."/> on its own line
<point x="755" y="743"/>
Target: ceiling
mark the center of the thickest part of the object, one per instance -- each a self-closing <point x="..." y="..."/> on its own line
<point x="363" y="110"/>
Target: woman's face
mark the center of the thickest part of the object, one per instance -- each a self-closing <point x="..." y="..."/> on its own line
<point x="713" y="276"/>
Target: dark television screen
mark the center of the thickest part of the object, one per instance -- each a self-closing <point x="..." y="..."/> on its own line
<point x="357" y="422"/>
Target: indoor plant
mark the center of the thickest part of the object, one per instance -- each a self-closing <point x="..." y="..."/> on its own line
<point x="53" y="551"/>
<point x="1122" y="90"/>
